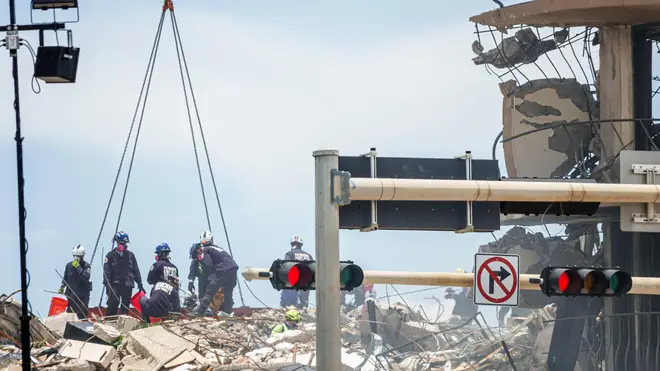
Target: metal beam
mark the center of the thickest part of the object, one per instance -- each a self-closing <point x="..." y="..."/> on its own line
<point x="640" y="286"/>
<point x="382" y="189"/>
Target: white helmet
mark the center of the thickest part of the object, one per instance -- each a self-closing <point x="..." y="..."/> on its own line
<point x="206" y="238"/>
<point x="296" y="240"/>
<point x="78" y="250"/>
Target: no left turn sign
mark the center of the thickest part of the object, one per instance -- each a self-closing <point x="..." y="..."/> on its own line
<point x="496" y="280"/>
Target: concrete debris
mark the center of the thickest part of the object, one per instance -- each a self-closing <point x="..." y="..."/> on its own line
<point x="392" y="338"/>
<point x="524" y="47"/>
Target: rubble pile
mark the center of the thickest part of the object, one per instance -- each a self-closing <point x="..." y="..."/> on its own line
<point x="374" y="337"/>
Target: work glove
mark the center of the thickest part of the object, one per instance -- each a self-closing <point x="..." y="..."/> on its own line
<point x="141" y="288"/>
<point x="61" y="291"/>
<point x="191" y="286"/>
<point x="75" y="264"/>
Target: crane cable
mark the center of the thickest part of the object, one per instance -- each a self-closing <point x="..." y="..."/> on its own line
<point x="184" y="71"/>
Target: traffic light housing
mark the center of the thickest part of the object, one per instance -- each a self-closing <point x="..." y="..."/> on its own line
<point x="301" y="275"/>
<point x="585" y="281"/>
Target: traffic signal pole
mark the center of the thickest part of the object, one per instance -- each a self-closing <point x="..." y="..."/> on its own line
<point x="640" y="286"/>
<point x="384" y="189"/>
<point x="328" y="330"/>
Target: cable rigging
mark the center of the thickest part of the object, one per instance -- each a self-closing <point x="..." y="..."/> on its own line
<point x="139" y="111"/>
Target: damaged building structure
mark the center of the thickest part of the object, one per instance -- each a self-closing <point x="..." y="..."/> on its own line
<point x="575" y="126"/>
<point x="375" y="336"/>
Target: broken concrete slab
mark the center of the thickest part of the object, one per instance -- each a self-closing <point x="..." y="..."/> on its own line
<point x="126" y="324"/>
<point x="98" y="354"/>
<point x="105" y="332"/>
<point x="57" y="323"/>
<point x="157" y="343"/>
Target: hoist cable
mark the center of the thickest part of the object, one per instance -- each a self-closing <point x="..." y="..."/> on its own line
<point x="139" y="128"/>
<point x="177" y="40"/>
<point x="145" y="82"/>
<point x="177" y="46"/>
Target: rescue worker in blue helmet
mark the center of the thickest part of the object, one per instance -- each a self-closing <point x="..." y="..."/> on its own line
<point x="120" y="274"/>
<point x="76" y="283"/>
<point x="164" y="298"/>
<point x="163" y="267"/>
<point x="299" y="299"/>
<point x="216" y="270"/>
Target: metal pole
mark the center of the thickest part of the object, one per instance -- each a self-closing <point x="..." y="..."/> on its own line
<point x="640" y="285"/>
<point x="328" y="334"/>
<point x="25" y="314"/>
<point x="387" y="189"/>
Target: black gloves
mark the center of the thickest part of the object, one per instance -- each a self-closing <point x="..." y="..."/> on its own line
<point x="191" y="286"/>
<point x="141" y="288"/>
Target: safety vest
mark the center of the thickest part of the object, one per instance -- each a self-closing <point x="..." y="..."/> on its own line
<point x="278" y="329"/>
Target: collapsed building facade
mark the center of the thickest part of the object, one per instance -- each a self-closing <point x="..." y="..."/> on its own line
<point x="374" y="336"/>
<point x="573" y="123"/>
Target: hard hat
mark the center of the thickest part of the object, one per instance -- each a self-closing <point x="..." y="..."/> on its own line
<point x="206" y="238"/>
<point x="122" y="237"/>
<point x="292" y="316"/>
<point x="297" y="240"/>
<point x="163" y="247"/>
<point x="193" y="249"/>
<point x="78" y="250"/>
<point x="460" y="270"/>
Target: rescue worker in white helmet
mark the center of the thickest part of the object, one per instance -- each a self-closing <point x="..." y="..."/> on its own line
<point x="299" y="299"/>
<point x="76" y="283"/>
<point x="291" y="320"/>
<point x="216" y="270"/>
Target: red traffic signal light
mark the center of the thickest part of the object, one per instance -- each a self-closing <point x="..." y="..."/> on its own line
<point x="292" y="274"/>
<point x="301" y="275"/>
<point x="585" y="281"/>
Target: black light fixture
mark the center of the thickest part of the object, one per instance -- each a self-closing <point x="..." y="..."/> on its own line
<point x="54" y="4"/>
<point x="57" y="64"/>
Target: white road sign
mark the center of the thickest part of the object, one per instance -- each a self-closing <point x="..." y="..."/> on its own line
<point x="496" y="279"/>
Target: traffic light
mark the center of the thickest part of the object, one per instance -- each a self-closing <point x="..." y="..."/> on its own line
<point x="585" y="281"/>
<point x="292" y="274"/>
<point x="301" y="275"/>
<point x="350" y="276"/>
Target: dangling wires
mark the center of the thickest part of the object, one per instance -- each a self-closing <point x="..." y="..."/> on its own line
<point x="146" y="84"/>
<point x="183" y="65"/>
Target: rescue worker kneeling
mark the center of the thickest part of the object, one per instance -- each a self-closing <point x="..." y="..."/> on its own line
<point x="164" y="299"/>
<point x="291" y="320"/>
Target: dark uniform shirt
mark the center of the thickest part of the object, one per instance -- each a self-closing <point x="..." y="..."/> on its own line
<point x="298" y="254"/>
<point x="77" y="280"/>
<point x="164" y="299"/>
<point x="217" y="260"/>
<point x="161" y="270"/>
<point x="121" y="269"/>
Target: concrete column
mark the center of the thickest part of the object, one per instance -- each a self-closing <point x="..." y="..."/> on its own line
<point x="615" y="79"/>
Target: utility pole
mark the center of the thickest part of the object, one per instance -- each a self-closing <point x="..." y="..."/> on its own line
<point x="328" y="330"/>
<point x="12" y="42"/>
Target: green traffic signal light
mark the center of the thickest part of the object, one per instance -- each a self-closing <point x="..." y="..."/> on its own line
<point x="350" y="275"/>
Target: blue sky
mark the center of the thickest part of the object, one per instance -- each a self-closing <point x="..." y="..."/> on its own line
<point x="274" y="82"/>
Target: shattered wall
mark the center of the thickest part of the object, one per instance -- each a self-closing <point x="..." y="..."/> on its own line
<point x="535" y="104"/>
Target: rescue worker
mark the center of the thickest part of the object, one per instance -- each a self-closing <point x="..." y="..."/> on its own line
<point x="164" y="298"/>
<point x="291" y="320"/>
<point x="464" y="307"/>
<point x="76" y="283"/>
<point x="163" y="267"/>
<point x="120" y="274"/>
<point x="216" y="270"/>
<point x="299" y="299"/>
